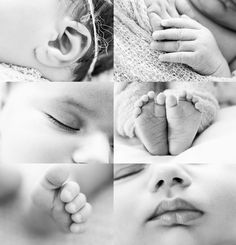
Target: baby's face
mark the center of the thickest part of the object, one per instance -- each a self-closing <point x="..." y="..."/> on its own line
<point x="25" y="25"/>
<point x="42" y="123"/>
<point x="145" y="193"/>
<point x="221" y="11"/>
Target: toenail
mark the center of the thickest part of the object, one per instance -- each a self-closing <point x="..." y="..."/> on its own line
<point x="137" y="111"/>
<point x="79" y="218"/>
<point x="75" y="228"/>
<point x="151" y="94"/>
<point x="138" y="103"/>
<point x="72" y="207"/>
<point x="145" y="98"/>
<point x="67" y="195"/>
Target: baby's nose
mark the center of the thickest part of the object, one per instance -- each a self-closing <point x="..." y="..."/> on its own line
<point x="95" y="148"/>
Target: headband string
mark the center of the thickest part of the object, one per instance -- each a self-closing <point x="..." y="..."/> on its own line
<point x="92" y="65"/>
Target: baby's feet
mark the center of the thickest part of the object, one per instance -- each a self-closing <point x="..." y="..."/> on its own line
<point x="183" y="121"/>
<point x="150" y="123"/>
<point x="62" y="199"/>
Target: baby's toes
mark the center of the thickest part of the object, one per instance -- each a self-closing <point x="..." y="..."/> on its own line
<point x="182" y="95"/>
<point x="82" y="215"/>
<point x="141" y="102"/>
<point x="69" y="191"/>
<point x="195" y="99"/>
<point x="78" y="203"/>
<point x="137" y="107"/>
<point x="160" y="99"/>
<point x="189" y="97"/>
<point x="171" y="100"/>
<point x="78" y="228"/>
<point x="151" y="95"/>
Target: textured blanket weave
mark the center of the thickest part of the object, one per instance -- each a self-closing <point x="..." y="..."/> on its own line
<point x="126" y="94"/>
<point x="134" y="60"/>
<point x="13" y="73"/>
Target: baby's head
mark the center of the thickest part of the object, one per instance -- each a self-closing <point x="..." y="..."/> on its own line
<point x="57" y="123"/>
<point x="221" y="11"/>
<point x="188" y="204"/>
<point x="63" y="39"/>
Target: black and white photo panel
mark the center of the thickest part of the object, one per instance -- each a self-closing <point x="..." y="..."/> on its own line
<point x="56" y="122"/>
<point x="61" y="204"/>
<point x="189" y="204"/>
<point x="154" y="121"/>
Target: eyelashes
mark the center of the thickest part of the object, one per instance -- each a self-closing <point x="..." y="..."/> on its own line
<point x="128" y="171"/>
<point x="62" y="125"/>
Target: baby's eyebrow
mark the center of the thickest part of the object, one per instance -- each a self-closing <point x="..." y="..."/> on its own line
<point x="76" y="104"/>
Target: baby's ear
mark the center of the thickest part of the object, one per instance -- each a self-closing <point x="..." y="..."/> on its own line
<point x="72" y="41"/>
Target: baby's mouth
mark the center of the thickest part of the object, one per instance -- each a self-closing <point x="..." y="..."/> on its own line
<point x="175" y="213"/>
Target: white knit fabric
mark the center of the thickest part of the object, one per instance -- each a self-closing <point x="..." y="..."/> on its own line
<point x="13" y="73"/>
<point x="134" y="60"/>
<point x="126" y="94"/>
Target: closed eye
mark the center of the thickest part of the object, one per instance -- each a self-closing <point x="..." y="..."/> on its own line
<point x="128" y="170"/>
<point x="62" y="125"/>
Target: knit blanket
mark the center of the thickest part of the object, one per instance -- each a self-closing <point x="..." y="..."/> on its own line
<point x="135" y="61"/>
<point x="13" y="73"/>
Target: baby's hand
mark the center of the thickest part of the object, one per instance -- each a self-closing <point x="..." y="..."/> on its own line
<point x="188" y="42"/>
<point x="165" y="9"/>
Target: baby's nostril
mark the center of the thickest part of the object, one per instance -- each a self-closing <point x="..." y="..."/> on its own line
<point x="160" y="183"/>
<point x="177" y="180"/>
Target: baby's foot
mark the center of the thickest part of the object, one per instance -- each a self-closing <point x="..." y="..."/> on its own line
<point x="63" y="200"/>
<point x="150" y="123"/>
<point x="183" y="121"/>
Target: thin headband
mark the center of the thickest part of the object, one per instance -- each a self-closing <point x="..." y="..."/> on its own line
<point x="92" y="65"/>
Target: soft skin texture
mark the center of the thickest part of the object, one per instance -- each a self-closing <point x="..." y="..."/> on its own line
<point x="31" y="32"/>
<point x="189" y="42"/>
<point x="192" y="44"/>
<point x="61" y="198"/>
<point x="208" y="187"/>
<point x="222" y="12"/>
<point x="57" y="123"/>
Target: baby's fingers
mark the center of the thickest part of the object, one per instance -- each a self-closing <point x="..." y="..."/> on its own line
<point x="155" y="22"/>
<point x="183" y="22"/>
<point x="186" y="58"/>
<point x="173" y="46"/>
<point x="82" y="215"/>
<point x="174" y="34"/>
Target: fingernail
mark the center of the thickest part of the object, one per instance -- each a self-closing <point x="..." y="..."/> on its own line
<point x="79" y="218"/>
<point x="155" y="35"/>
<point x="164" y="22"/>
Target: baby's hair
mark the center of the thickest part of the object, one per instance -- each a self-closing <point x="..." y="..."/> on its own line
<point x="97" y="15"/>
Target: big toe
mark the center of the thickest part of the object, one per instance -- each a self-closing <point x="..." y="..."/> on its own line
<point x="55" y="177"/>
